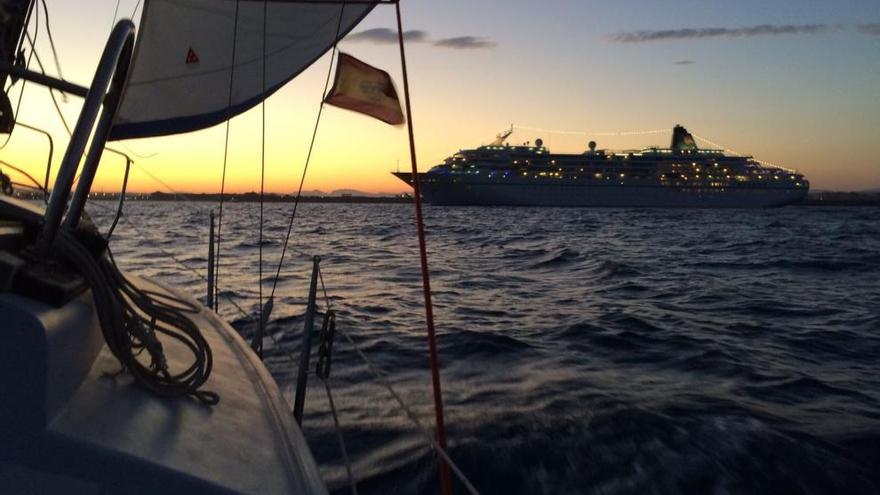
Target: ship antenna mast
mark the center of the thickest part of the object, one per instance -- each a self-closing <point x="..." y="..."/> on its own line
<point x="499" y="139"/>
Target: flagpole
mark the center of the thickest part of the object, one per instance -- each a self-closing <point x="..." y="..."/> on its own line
<point x="445" y="478"/>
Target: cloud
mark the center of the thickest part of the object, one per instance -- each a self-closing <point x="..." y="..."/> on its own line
<point x="645" y="36"/>
<point x="465" y="43"/>
<point x="384" y="36"/>
<point x="869" y="29"/>
<point x="684" y="62"/>
<point x="387" y="36"/>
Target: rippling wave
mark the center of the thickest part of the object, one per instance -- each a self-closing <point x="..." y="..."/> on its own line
<point x="609" y="351"/>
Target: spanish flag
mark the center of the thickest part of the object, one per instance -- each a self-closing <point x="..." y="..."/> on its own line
<point x="365" y="89"/>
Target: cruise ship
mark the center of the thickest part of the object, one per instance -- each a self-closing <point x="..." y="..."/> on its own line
<point x="679" y="176"/>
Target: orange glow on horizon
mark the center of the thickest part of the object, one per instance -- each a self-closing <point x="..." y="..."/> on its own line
<point x="818" y="118"/>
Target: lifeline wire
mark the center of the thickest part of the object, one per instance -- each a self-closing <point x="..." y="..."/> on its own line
<point x="339" y="437"/>
<point x="22" y="172"/>
<point x="197" y="273"/>
<point x="326" y="381"/>
<point x="411" y="415"/>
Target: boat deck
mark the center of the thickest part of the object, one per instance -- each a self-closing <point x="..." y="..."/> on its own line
<point x="111" y="435"/>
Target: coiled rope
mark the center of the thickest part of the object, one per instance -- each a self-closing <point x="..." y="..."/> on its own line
<point x="133" y="318"/>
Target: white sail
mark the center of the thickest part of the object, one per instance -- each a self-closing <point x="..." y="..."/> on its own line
<point x="183" y="63"/>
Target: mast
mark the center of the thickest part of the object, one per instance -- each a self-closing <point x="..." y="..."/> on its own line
<point x="445" y="476"/>
<point x="499" y="139"/>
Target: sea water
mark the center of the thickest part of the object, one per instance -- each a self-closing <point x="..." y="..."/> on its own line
<point x="614" y="351"/>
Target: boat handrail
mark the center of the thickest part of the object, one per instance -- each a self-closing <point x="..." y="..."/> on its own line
<point x="128" y="164"/>
<point x="51" y="153"/>
<point x="103" y="96"/>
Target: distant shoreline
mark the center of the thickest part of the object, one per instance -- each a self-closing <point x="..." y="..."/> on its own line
<point x="821" y="198"/>
<point x="273" y="198"/>
<point x="252" y="197"/>
<point x="832" y="198"/>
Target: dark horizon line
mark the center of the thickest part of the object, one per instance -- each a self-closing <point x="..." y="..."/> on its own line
<point x="814" y="198"/>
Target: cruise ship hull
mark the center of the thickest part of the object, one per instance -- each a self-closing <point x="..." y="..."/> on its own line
<point x="460" y="191"/>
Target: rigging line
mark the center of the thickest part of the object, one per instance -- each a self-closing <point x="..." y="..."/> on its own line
<point x="324" y="289"/>
<point x="309" y="154"/>
<point x="52" y="45"/>
<point x="263" y="317"/>
<point x="115" y="13"/>
<point x="24" y="81"/>
<point x="135" y="153"/>
<point x="411" y="415"/>
<point x="177" y="194"/>
<point x="22" y="172"/>
<point x="134" y="10"/>
<point x="340" y="438"/>
<point x="445" y="478"/>
<point x="225" y="155"/>
<point x="22" y="185"/>
<point x="51" y="90"/>
<point x="69" y="131"/>
<point x="180" y="262"/>
<point x="380" y="376"/>
<point x="701" y="138"/>
<point x="724" y="148"/>
<point x="592" y="133"/>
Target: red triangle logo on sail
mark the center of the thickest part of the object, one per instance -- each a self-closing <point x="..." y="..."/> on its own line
<point x="191" y="57"/>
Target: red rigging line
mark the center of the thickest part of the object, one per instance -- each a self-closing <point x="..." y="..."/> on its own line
<point x="445" y="477"/>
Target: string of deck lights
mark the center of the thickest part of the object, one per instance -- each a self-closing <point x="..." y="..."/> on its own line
<point x="591" y="133"/>
<point x="762" y="162"/>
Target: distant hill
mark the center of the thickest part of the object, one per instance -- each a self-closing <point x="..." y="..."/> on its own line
<point x="346" y="192"/>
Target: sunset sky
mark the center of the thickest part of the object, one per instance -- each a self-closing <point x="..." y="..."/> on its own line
<point x="795" y="83"/>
